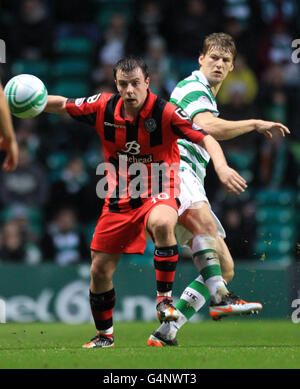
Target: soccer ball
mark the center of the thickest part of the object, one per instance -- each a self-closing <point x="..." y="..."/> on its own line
<point x="26" y="95"/>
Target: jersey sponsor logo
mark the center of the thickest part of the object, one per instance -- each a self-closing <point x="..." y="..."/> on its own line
<point x="114" y="125"/>
<point x="93" y="99"/>
<point x="79" y="102"/>
<point x="150" y="125"/>
<point x="133" y="159"/>
<point x="132" y="148"/>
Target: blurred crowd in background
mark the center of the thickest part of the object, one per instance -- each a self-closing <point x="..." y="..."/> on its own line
<point x="49" y="207"/>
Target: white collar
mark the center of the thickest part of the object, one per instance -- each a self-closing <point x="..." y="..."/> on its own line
<point x="201" y="77"/>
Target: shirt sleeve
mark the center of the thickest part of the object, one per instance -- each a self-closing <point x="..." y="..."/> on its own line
<point x="197" y="100"/>
<point x="85" y="109"/>
<point x="183" y="127"/>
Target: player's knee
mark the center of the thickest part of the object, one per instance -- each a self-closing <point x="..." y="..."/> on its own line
<point x="100" y="271"/>
<point x="97" y="273"/>
<point x="162" y="229"/>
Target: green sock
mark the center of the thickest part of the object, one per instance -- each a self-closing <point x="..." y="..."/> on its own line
<point x="193" y="298"/>
<point x="206" y="257"/>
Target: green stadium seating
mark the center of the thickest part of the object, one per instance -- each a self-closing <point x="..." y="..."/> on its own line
<point x="276" y="231"/>
<point x="273" y="248"/>
<point x="105" y="9"/>
<point x="69" y="67"/>
<point x="40" y="69"/>
<point x="71" y="88"/>
<point x="241" y="159"/>
<point x="276" y="223"/>
<point x="274" y="214"/>
<point x="282" y="197"/>
<point x="74" y="46"/>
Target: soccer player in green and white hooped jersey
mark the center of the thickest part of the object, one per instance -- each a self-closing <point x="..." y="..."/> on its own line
<point x="199" y="227"/>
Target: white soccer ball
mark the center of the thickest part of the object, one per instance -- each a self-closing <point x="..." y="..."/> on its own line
<point x="26" y="95"/>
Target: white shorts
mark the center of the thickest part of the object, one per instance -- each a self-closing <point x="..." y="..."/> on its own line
<point x="192" y="193"/>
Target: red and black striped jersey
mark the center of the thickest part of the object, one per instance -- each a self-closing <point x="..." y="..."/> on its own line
<point x="150" y="139"/>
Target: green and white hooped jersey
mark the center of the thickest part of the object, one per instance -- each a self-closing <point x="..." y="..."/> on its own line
<point x="193" y="95"/>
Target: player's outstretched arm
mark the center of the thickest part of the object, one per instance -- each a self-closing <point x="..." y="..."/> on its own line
<point x="56" y="104"/>
<point x="228" y="176"/>
<point x="222" y="129"/>
<point x="7" y="136"/>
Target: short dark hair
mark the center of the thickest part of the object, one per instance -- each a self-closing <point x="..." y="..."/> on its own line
<point x="129" y="63"/>
<point x="220" y="40"/>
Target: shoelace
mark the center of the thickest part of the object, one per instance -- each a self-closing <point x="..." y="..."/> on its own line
<point x="237" y="299"/>
<point x="101" y="337"/>
<point x="167" y="303"/>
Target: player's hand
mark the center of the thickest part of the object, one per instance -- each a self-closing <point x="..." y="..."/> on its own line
<point x="266" y="128"/>
<point x="12" y="154"/>
<point x="231" y="179"/>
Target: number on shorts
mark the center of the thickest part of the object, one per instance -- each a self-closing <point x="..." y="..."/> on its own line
<point x="160" y="196"/>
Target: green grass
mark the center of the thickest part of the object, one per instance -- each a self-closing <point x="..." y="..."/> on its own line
<point x="232" y="344"/>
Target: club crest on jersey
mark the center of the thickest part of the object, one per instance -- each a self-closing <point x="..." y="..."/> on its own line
<point x="150" y="125"/>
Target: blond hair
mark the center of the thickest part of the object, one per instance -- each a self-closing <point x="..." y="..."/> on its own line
<point x="221" y="41"/>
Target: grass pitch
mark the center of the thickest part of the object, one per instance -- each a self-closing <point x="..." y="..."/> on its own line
<point x="230" y="344"/>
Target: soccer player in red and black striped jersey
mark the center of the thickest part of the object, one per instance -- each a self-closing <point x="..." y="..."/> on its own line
<point x="137" y="127"/>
